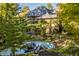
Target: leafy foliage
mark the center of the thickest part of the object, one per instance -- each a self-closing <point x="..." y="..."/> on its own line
<point x="69" y="17"/>
<point x="12" y="30"/>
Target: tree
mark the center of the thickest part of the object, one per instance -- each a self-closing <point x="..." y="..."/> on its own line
<point x="12" y="30"/>
<point x="69" y="15"/>
<point x="23" y="12"/>
<point x="49" y="6"/>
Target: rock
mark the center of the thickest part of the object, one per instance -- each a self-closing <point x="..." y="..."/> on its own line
<point x="47" y="53"/>
<point x="58" y="43"/>
<point x="62" y="43"/>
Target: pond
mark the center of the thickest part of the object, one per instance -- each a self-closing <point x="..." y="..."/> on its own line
<point x="28" y="47"/>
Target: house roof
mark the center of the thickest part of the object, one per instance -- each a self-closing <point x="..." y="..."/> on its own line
<point x="42" y="12"/>
<point x="48" y="16"/>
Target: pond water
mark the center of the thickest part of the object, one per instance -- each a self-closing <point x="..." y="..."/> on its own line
<point x="36" y="46"/>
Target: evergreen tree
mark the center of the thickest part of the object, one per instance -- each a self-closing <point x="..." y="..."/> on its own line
<point x="12" y="30"/>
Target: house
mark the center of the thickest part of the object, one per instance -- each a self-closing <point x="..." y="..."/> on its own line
<point x="42" y="13"/>
<point x="45" y="14"/>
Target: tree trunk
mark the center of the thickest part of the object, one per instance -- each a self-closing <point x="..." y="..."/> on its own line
<point x="13" y="51"/>
<point x="60" y="26"/>
<point x="50" y="27"/>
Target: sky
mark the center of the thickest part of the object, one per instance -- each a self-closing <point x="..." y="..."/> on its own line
<point x="34" y="5"/>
